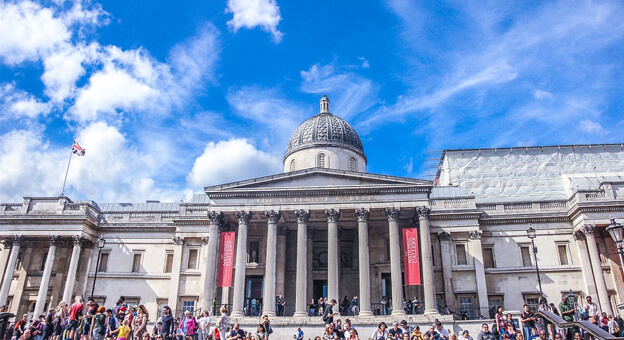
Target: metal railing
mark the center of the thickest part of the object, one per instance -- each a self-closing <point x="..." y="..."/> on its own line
<point x="587" y="327"/>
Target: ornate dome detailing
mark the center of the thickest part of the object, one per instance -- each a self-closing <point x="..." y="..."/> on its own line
<point x="324" y="129"/>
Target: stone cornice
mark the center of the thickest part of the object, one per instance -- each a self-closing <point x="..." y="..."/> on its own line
<point x="593" y="207"/>
<point x="249" y="193"/>
<point x="25" y="220"/>
<point x="437" y="215"/>
<point x="523" y="219"/>
<point x="130" y="229"/>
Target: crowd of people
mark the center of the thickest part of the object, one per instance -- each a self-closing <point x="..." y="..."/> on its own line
<point x="90" y="321"/>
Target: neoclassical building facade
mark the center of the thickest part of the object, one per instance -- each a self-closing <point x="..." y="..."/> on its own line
<point x="327" y="228"/>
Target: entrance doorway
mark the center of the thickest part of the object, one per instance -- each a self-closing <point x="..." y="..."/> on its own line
<point x="253" y="295"/>
<point x="320" y="289"/>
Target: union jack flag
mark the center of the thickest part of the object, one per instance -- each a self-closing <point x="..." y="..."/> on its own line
<point x="77" y="149"/>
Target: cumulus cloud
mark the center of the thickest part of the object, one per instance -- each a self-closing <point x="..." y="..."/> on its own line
<point x="541" y="94"/>
<point x="243" y="161"/>
<point x="255" y="13"/>
<point x="15" y="103"/>
<point x="348" y="92"/>
<point x="589" y="126"/>
<point x="29" y="31"/>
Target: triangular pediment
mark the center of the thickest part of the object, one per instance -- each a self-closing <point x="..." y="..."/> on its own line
<point x="318" y="179"/>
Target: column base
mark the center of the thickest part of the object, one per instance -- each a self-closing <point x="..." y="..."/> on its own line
<point x="398" y="313"/>
<point x="269" y="313"/>
<point x="365" y="313"/>
<point x="431" y="312"/>
<point x="300" y="315"/>
<point x="237" y="314"/>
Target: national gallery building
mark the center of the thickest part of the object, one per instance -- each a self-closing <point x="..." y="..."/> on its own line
<point x="327" y="228"/>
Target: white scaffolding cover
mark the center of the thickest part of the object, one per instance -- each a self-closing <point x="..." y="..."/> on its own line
<point x="531" y="174"/>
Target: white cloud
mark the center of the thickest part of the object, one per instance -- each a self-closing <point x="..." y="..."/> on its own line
<point x="62" y="69"/>
<point x="541" y="94"/>
<point x="15" y="103"/>
<point x="252" y="13"/>
<point x="231" y="160"/>
<point x="365" y="63"/>
<point x="589" y="126"/>
<point x="110" y="90"/>
<point x="349" y="93"/>
<point x="29" y="31"/>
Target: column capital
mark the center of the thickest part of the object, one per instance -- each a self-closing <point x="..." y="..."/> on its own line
<point x="6" y="243"/>
<point x="178" y="241"/>
<point x="302" y="215"/>
<point x="77" y="240"/>
<point x="362" y="214"/>
<point x="18" y="240"/>
<point x="578" y="235"/>
<point x="392" y="214"/>
<point x="332" y="215"/>
<point x="273" y="216"/>
<point x="588" y="229"/>
<point x="54" y="240"/>
<point x="444" y="235"/>
<point x="423" y="212"/>
<point x="243" y="217"/>
<point x="215" y="217"/>
<point x="475" y="234"/>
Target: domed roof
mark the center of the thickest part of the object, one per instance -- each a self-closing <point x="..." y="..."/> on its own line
<point x="324" y="129"/>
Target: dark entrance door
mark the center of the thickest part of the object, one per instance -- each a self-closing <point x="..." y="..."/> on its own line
<point x="320" y="289"/>
<point x="253" y="295"/>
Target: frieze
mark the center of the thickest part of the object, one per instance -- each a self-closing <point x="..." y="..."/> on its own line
<point x="317" y="199"/>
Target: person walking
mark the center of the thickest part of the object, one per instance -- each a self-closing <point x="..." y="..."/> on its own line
<point x="167" y="329"/>
<point x="328" y="314"/>
<point x="139" y="323"/>
<point x="98" y="324"/>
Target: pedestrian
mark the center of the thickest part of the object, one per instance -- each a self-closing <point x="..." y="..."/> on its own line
<point x="123" y="331"/>
<point x="111" y="323"/>
<point x="204" y="325"/>
<point x="381" y="333"/>
<point x="75" y="311"/>
<point x="267" y="325"/>
<point x="281" y="303"/>
<point x="223" y="322"/>
<point x="299" y="335"/>
<point x="312" y="307"/>
<point x="328" y="315"/>
<point x="167" y="329"/>
<point x="187" y="325"/>
<point x="591" y="311"/>
<point x="261" y="333"/>
<point x="139" y="322"/>
<point x="485" y="333"/>
<point x="48" y="328"/>
<point x="98" y="324"/>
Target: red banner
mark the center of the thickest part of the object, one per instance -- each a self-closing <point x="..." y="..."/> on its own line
<point x="226" y="259"/>
<point x="411" y="258"/>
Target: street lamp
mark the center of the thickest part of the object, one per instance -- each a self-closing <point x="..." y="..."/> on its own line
<point x="616" y="230"/>
<point x="101" y="242"/>
<point x="531" y="235"/>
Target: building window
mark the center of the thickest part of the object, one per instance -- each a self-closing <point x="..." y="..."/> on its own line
<point x="132" y="300"/>
<point x="43" y="261"/>
<point x="168" y="262"/>
<point x="293" y="165"/>
<point x="320" y="160"/>
<point x="161" y="304"/>
<point x="253" y="252"/>
<point x="136" y="262"/>
<point x="460" y="254"/>
<point x="494" y="302"/>
<point x="352" y="164"/>
<point x="488" y="257"/>
<point x="192" y="258"/>
<point x="103" y="263"/>
<point x="525" y="251"/>
<point x="564" y="257"/>
<point x="532" y="301"/>
<point x="188" y="305"/>
<point x="466" y="305"/>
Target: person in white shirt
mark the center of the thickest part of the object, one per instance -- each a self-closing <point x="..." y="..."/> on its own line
<point x="204" y="325"/>
<point x="591" y="310"/>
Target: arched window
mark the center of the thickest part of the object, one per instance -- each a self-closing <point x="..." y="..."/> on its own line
<point x="320" y="160"/>
<point x="352" y="164"/>
<point x="293" y="165"/>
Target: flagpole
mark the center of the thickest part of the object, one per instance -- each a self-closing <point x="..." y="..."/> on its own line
<point x="67" y="171"/>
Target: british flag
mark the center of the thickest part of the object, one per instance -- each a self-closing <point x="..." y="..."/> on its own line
<point x="77" y="149"/>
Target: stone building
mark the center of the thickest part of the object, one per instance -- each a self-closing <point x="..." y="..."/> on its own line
<point x="326" y="227"/>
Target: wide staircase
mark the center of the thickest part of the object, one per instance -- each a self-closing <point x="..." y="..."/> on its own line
<point x="589" y="328"/>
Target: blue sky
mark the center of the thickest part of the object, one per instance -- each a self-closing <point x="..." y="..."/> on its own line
<point x="170" y="96"/>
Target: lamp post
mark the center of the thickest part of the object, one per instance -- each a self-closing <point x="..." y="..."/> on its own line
<point x="101" y="242"/>
<point x="531" y="235"/>
<point x="616" y="230"/>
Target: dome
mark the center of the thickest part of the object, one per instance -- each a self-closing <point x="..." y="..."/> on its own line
<point x="324" y="129"/>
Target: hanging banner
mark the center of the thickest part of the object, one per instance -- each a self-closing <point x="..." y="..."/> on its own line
<point x="226" y="259"/>
<point x="411" y="259"/>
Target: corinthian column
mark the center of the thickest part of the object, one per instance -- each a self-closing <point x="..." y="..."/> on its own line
<point x="427" y="260"/>
<point x="588" y="275"/>
<point x="302" y="270"/>
<point x="364" y="261"/>
<point x="268" y="300"/>
<point x="477" y="253"/>
<point x="395" y="261"/>
<point x="45" y="278"/>
<point x="73" y="268"/>
<point x="241" y="253"/>
<point x="594" y="256"/>
<point x="211" y="264"/>
<point x="332" y="254"/>
<point x="447" y="272"/>
<point x="10" y="269"/>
